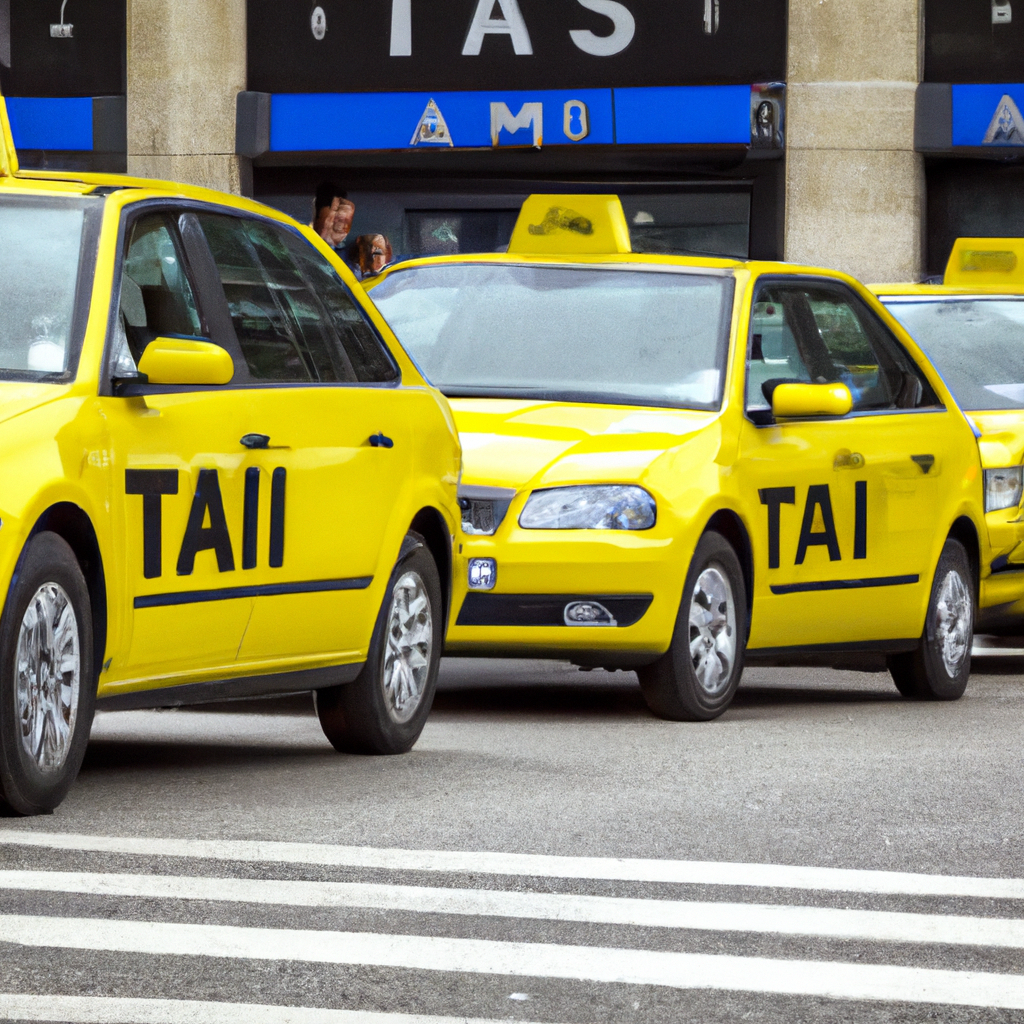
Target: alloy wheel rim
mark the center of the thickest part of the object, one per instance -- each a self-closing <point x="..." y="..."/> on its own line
<point x="410" y="639"/>
<point x="952" y="622"/>
<point x="712" y="631"/>
<point x="48" y="672"/>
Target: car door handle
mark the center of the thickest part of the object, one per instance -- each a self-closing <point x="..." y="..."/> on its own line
<point x="379" y="440"/>
<point x="255" y="441"/>
<point x="924" y="461"/>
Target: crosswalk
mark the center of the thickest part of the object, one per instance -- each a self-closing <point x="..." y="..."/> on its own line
<point x="501" y="920"/>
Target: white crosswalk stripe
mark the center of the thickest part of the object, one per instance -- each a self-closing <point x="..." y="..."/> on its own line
<point x="93" y="928"/>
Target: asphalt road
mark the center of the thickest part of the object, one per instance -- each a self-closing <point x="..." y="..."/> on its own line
<point x="549" y="852"/>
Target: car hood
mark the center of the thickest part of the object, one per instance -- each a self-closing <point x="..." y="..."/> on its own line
<point x="511" y="443"/>
<point x="17" y="397"/>
<point x="1002" y="437"/>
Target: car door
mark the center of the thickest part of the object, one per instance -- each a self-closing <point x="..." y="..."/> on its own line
<point x="331" y="448"/>
<point x="850" y="506"/>
<point x="176" y="470"/>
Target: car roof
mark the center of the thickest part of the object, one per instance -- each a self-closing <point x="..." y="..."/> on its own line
<point x="976" y="266"/>
<point x="591" y="230"/>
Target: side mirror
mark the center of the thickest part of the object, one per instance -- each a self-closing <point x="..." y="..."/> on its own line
<point x="792" y="401"/>
<point x="186" y="361"/>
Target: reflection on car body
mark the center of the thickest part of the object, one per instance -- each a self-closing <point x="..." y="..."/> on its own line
<point x="197" y="502"/>
<point x="673" y="464"/>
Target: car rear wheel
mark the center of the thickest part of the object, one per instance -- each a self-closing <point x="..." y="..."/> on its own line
<point x="47" y="677"/>
<point x="696" y="679"/>
<point x="940" y="666"/>
<point x="384" y="709"/>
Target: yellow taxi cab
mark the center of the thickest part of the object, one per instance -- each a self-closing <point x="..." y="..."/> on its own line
<point x="971" y="326"/>
<point x="222" y="476"/>
<point x="676" y="464"/>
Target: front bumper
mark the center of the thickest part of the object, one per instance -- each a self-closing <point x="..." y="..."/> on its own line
<point x="636" y="577"/>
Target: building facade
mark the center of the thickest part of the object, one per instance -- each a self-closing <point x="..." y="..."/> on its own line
<point x="852" y="133"/>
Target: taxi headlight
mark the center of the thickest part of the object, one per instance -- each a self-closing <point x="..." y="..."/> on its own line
<point x="590" y="507"/>
<point x="1003" y="487"/>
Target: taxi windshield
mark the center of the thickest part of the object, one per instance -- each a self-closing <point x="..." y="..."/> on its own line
<point x="977" y="344"/>
<point x="41" y="245"/>
<point x="577" y="334"/>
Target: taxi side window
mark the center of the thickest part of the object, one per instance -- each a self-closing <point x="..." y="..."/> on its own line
<point x="370" y="360"/>
<point x="156" y="296"/>
<point x="283" y="330"/>
<point x="822" y="333"/>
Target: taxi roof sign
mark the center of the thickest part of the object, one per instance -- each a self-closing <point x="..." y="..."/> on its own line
<point x="571" y="224"/>
<point x="977" y="262"/>
<point x="8" y="154"/>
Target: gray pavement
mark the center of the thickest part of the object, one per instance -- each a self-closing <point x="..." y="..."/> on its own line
<point x="809" y="768"/>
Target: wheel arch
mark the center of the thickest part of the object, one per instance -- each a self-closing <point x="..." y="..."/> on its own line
<point x="70" y="522"/>
<point x="965" y="531"/>
<point x="431" y="526"/>
<point x="727" y="523"/>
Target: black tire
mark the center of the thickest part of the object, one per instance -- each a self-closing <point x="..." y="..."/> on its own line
<point x="49" y="580"/>
<point x="941" y="665"/>
<point x="671" y="685"/>
<point x="360" y="717"/>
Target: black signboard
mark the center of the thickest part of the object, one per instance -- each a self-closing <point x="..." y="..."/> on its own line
<point x="974" y="41"/>
<point x="414" y="45"/>
<point x="81" y="53"/>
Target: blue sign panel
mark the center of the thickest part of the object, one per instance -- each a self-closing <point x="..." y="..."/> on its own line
<point x="55" y="123"/>
<point x="325" y="122"/>
<point x="692" y="114"/>
<point x="988" y="115"/>
<point x="400" y="120"/>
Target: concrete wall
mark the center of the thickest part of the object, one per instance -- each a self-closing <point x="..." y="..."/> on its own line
<point x="186" y="64"/>
<point x="855" y="189"/>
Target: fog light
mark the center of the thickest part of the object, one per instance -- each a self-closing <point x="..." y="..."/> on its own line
<point x="588" y="613"/>
<point x="483" y="573"/>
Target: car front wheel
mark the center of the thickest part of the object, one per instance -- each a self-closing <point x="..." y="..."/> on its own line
<point x="696" y="679"/>
<point x="384" y="709"/>
<point x="47" y="677"/>
<point x="940" y="666"/>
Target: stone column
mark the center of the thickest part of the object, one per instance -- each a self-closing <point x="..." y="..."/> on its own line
<point x="186" y="64"/>
<point x="855" y="193"/>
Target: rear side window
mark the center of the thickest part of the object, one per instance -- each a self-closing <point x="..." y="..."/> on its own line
<point x="282" y="323"/>
<point x="822" y="333"/>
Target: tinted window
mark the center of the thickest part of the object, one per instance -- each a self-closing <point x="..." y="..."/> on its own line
<point x="601" y="334"/>
<point x="824" y="334"/>
<point x="366" y="355"/>
<point x="277" y="320"/>
<point x="40" y="252"/>
<point x="976" y="344"/>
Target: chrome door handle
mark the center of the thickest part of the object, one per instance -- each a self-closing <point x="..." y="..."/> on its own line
<point x="255" y="440"/>
<point x="379" y="440"/>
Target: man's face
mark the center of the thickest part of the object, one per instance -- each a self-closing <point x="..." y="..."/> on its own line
<point x="374" y="253"/>
<point x="334" y="222"/>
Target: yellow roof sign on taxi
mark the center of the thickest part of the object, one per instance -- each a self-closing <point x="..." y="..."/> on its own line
<point x="977" y="262"/>
<point x="571" y="224"/>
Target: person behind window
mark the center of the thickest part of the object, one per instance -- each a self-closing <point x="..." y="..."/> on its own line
<point x="374" y="254"/>
<point x="332" y="221"/>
